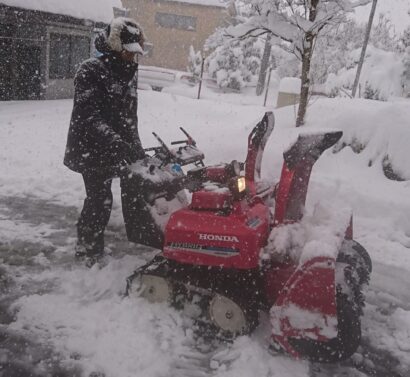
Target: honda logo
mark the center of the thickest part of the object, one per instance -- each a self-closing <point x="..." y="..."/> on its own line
<point x="217" y="237"/>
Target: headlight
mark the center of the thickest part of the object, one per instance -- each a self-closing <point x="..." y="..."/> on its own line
<point x="237" y="187"/>
<point x="241" y="184"/>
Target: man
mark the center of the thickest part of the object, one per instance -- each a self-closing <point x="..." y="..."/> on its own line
<point x="103" y="135"/>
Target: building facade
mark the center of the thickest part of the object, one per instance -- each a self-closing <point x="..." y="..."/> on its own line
<point x="173" y="26"/>
<point x="40" y="52"/>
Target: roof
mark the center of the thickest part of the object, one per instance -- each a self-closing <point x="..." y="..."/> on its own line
<point x="95" y="10"/>
<point x="206" y="3"/>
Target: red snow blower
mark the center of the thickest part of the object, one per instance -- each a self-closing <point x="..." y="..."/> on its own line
<point x="212" y="247"/>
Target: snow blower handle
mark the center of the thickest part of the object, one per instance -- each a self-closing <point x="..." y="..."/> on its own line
<point x="163" y="145"/>
<point x="189" y="141"/>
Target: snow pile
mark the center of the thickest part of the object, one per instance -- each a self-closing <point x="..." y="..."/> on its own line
<point x="381" y="77"/>
<point x="400" y="322"/>
<point x="96" y="10"/>
<point x="303" y="321"/>
<point x="378" y="137"/>
<point x="95" y="327"/>
<point x="290" y="85"/>
<point x="319" y="234"/>
<point x="246" y="358"/>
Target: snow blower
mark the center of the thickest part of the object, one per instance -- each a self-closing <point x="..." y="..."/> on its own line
<point x="218" y="252"/>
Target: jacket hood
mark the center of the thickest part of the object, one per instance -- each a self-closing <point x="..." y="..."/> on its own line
<point x="101" y="43"/>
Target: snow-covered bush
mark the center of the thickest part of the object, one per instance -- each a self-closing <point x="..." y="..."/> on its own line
<point x="405" y="38"/>
<point x="236" y="63"/>
<point x="194" y="63"/>
<point x="334" y="45"/>
<point x="383" y="35"/>
<point x="381" y="77"/>
<point x="372" y="93"/>
<point x="406" y="73"/>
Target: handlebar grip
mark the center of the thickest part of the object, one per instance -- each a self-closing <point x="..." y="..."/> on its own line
<point x="179" y="142"/>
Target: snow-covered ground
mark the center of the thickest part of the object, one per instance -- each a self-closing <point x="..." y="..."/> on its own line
<point x="59" y="318"/>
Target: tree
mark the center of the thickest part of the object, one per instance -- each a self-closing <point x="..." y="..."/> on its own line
<point x="296" y="24"/>
<point x="194" y="63"/>
<point x="234" y="63"/>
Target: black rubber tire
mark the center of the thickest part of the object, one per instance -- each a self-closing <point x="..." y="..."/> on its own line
<point x="367" y="262"/>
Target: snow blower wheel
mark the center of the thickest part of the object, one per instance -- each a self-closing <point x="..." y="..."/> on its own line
<point x="227" y="315"/>
<point x="153" y="288"/>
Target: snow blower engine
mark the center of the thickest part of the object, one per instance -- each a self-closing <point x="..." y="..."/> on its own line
<point x="211" y="248"/>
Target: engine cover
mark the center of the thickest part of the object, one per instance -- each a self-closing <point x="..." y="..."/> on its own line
<point x="212" y="238"/>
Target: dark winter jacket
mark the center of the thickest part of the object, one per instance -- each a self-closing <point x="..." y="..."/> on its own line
<point x="103" y="130"/>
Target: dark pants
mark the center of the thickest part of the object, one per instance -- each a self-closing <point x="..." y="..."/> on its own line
<point x="96" y="211"/>
<point x="140" y="224"/>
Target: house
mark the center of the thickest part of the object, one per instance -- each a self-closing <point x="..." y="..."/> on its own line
<point x="172" y="26"/>
<point x="40" y="49"/>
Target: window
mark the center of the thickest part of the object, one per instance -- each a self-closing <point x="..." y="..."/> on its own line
<point x="175" y="21"/>
<point x="66" y="53"/>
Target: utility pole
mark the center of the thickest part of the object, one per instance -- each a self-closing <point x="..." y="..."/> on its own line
<point x="366" y="41"/>
<point x="201" y="77"/>
<point x="264" y="65"/>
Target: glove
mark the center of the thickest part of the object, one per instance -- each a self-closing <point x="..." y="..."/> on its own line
<point x="126" y="151"/>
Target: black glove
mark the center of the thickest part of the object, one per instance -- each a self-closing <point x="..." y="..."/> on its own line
<point x="126" y="151"/>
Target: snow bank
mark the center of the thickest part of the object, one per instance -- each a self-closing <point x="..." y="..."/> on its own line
<point x="381" y="76"/>
<point x="375" y="130"/>
<point x="96" y="10"/>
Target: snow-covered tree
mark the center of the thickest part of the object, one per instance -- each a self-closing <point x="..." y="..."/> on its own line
<point x="194" y="63"/>
<point x="406" y="73"/>
<point x="383" y="35"/>
<point x="235" y="63"/>
<point x="297" y="23"/>
<point x="405" y="38"/>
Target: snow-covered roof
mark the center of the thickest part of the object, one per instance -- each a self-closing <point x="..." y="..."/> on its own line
<point x="96" y="10"/>
<point x="211" y="3"/>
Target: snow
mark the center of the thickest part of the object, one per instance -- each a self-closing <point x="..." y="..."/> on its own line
<point x="398" y="14"/>
<point x="290" y="85"/>
<point x="96" y="10"/>
<point x="301" y="319"/>
<point x="382" y="72"/>
<point x="319" y="234"/>
<point x="82" y="314"/>
<point x="210" y="3"/>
